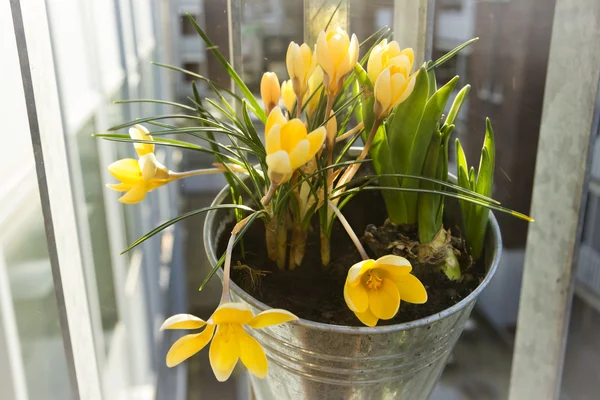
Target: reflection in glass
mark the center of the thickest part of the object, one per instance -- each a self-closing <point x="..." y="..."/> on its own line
<point x="35" y="308"/>
<point x="93" y="185"/>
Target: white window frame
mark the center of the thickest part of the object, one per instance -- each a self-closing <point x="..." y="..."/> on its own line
<point x="41" y="95"/>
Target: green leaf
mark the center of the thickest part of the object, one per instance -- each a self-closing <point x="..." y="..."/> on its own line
<point x="441" y="193"/>
<point x="403" y="126"/>
<point x="428" y="204"/>
<point x="418" y="151"/>
<point x="170" y="103"/>
<point x="200" y="77"/>
<point x="332" y="15"/>
<point x="165" y="225"/>
<point x="230" y="71"/>
<point x="367" y="99"/>
<point x="432" y="80"/>
<point x="489" y="143"/>
<point x="457" y="104"/>
<point x="451" y="53"/>
<point x="479" y="215"/>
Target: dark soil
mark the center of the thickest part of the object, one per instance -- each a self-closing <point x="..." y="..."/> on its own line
<point x="314" y="293"/>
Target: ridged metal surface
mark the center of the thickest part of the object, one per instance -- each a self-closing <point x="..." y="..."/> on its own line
<point x="310" y="360"/>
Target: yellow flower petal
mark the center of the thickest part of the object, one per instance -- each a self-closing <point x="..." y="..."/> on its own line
<point x="280" y="169"/>
<point x="394" y="266"/>
<point x="384" y="301"/>
<point x="148" y="166"/>
<point x="409" y="88"/>
<point x="300" y="155"/>
<point x="273" y="140"/>
<point x="375" y="63"/>
<point x="224" y="352"/>
<point x="398" y="83"/>
<point x="287" y="95"/>
<point x="411" y="289"/>
<point x="356" y="298"/>
<point x="189" y="345"/>
<point x="135" y="194"/>
<point x="232" y="313"/>
<point x="275" y="118"/>
<point x="252" y="354"/>
<point x="382" y="89"/>
<point x="408" y="52"/>
<point x="139" y="132"/>
<point x="323" y="56"/>
<point x="119" y="187"/>
<point x="269" y="89"/>
<point x="274" y="316"/>
<point x="291" y="134"/>
<point x="126" y="170"/>
<point x="338" y="43"/>
<point x="367" y="318"/>
<point x="357" y="270"/>
<point x="316" y="139"/>
<point x="183" y="321"/>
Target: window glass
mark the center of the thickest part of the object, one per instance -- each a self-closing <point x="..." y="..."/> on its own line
<point x="93" y="185"/>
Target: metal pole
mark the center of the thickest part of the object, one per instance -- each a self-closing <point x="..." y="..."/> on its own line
<point x="413" y="26"/>
<point x="317" y="14"/>
<point x="571" y="95"/>
<point x="234" y="23"/>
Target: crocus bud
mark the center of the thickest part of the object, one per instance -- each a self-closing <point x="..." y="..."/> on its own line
<point x="300" y="65"/>
<point x="387" y="54"/>
<point x="288" y="145"/>
<point x="315" y="88"/>
<point x="287" y="95"/>
<point x="392" y="87"/>
<point x="269" y="90"/>
<point x="336" y="54"/>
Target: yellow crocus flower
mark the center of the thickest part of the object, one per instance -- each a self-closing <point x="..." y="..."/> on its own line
<point x="300" y="65"/>
<point x="138" y="177"/>
<point x="387" y="54"/>
<point x="314" y="86"/>
<point x="230" y="343"/>
<point x="269" y="90"/>
<point x="392" y="87"/>
<point x="288" y="145"/>
<point x="287" y="95"/>
<point x="374" y="288"/>
<point x="336" y="54"/>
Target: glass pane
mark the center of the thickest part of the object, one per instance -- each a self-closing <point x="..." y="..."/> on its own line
<point x="93" y="185"/>
<point x="35" y="308"/>
<point x="33" y="364"/>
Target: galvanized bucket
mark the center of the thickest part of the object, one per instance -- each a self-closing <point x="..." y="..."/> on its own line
<point x="310" y="360"/>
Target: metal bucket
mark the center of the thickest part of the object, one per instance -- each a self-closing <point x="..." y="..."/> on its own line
<point x="310" y="360"/>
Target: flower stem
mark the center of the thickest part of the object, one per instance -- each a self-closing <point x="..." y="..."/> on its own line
<point x="269" y="195"/>
<point x="350" y="133"/>
<point x="325" y="249"/>
<point x="271" y="238"/>
<point x="206" y="171"/>
<point x="351" y="171"/>
<point x="350" y="231"/>
<point x="299" y="106"/>
<point x="225" y="296"/>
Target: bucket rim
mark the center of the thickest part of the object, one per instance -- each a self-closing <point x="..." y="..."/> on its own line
<point x="495" y="242"/>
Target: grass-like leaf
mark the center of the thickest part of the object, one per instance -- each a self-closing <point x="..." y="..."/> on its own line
<point x="169" y="103"/>
<point x="451" y="54"/>
<point x="260" y="113"/>
<point x="165" y="225"/>
<point x="442" y="193"/>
